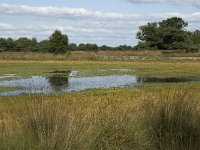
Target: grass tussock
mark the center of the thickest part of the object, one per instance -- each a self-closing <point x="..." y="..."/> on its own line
<point x="173" y="120"/>
<point x="163" y="120"/>
<point x="51" y="126"/>
<point x="117" y="127"/>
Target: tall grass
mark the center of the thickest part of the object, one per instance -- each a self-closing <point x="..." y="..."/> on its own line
<point x="118" y="128"/>
<point x="47" y="124"/>
<point x="173" y="120"/>
<point x="52" y="126"/>
<point x="164" y="120"/>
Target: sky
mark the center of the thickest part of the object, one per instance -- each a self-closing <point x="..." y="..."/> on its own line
<point x="104" y="22"/>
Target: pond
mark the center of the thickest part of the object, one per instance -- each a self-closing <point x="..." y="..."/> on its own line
<point x="66" y="81"/>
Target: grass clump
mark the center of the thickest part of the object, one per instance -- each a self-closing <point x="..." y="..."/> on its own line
<point x="50" y="125"/>
<point x="118" y="128"/>
<point x="173" y="120"/>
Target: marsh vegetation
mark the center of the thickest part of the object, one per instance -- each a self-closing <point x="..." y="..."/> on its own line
<point x="159" y="115"/>
<point x="163" y="118"/>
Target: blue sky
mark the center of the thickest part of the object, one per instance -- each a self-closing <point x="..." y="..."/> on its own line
<point x="109" y="22"/>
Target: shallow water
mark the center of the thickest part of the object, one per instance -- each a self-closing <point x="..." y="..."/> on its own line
<point x="56" y="84"/>
<point x="66" y="81"/>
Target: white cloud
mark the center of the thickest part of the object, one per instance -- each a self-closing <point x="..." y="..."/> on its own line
<point x="65" y="12"/>
<point x="6" y="26"/>
<point x="195" y="3"/>
<point x="84" y="14"/>
<point x="81" y="25"/>
<point x="146" y="1"/>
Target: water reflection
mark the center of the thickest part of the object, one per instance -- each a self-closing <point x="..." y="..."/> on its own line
<point x="58" y="82"/>
<point x="67" y="81"/>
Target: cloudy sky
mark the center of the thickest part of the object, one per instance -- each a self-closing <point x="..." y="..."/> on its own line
<point x="109" y="22"/>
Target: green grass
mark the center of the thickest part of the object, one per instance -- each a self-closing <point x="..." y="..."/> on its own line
<point x="153" y="69"/>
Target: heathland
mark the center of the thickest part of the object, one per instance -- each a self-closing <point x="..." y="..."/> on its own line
<point x="152" y="115"/>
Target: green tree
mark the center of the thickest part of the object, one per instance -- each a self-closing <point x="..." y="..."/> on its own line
<point x="92" y="47"/>
<point x="44" y="46"/>
<point x="73" y="47"/>
<point x="196" y="37"/>
<point x="34" y="44"/>
<point x="123" y="48"/>
<point x="173" y="34"/>
<point x="176" y="39"/>
<point x="174" y="22"/>
<point x="3" y="44"/>
<point x="23" y="44"/>
<point x="58" y="42"/>
<point x="82" y="47"/>
<point x="105" y="48"/>
<point x="167" y="34"/>
<point x="10" y="44"/>
<point x="150" y="33"/>
<point x="88" y="47"/>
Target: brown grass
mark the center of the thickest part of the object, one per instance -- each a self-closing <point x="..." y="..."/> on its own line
<point x="173" y="120"/>
<point x="166" y="119"/>
<point x="76" y="55"/>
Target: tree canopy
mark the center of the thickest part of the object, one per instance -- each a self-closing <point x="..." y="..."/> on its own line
<point x="169" y="34"/>
<point x="58" y="42"/>
<point x="174" y="22"/>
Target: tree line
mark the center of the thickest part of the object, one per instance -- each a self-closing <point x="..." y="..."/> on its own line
<point x="168" y="34"/>
<point x="56" y="43"/>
